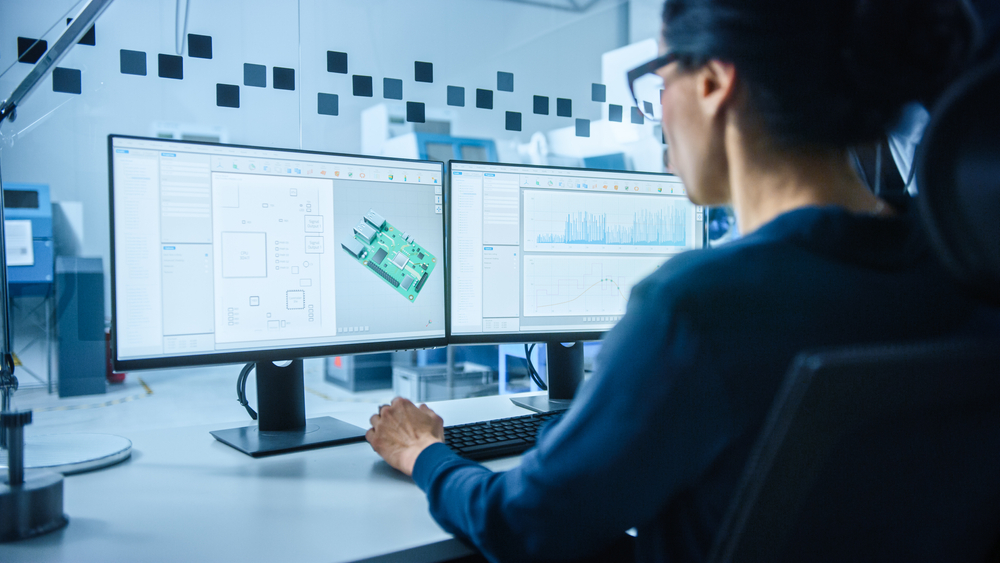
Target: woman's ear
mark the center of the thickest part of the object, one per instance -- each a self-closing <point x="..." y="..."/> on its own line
<point x="716" y="87"/>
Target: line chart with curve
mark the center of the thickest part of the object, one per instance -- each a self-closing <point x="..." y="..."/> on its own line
<point x="582" y="285"/>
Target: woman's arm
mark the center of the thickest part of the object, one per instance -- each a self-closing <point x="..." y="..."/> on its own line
<point x="644" y="427"/>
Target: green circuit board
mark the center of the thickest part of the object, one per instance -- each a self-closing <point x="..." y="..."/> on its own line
<point x="391" y="255"/>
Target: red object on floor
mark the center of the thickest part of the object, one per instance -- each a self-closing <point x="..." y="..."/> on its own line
<point x="113" y="376"/>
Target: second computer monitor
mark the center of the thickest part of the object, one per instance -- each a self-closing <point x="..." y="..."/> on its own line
<point x="551" y="254"/>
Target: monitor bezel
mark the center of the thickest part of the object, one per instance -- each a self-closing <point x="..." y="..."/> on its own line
<point x="519" y="336"/>
<point x="274" y="354"/>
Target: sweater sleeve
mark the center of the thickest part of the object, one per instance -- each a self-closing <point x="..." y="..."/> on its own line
<point x="640" y="430"/>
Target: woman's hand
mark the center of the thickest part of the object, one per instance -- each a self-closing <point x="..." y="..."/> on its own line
<point x="402" y="430"/>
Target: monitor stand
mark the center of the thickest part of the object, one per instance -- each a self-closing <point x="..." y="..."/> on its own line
<point x="565" y="373"/>
<point x="281" y="424"/>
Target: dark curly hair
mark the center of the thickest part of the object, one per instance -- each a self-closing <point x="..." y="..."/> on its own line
<point x="828" y="73"/>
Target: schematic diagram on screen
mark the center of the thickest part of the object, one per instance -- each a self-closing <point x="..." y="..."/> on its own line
<point x="270" y="241"/>
<point x="390" y="255"/>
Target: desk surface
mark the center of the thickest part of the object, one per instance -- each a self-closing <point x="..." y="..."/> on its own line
<point x="183" y="496"/>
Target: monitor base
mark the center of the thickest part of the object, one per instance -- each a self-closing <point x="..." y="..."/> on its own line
<point x="541" y="404"/>
<point x="318" y="432"/>
<point x="565" y="373"/>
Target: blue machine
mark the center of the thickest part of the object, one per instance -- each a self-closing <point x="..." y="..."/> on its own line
<point x="83" y="360"/>
<point x="613" y="161"/>
<point x="31" y="202"/>
<point x="446" y="147"/>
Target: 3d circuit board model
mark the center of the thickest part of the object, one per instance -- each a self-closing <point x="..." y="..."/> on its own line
<point x="391" y="255"/>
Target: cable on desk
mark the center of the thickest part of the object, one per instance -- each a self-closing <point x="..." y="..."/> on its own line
<point x="531" y="368"/>
<point x="241" y="389"/>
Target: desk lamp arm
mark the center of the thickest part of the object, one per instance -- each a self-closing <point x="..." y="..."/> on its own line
<point x="76" y="30"/>
<point x="8" y="109"/>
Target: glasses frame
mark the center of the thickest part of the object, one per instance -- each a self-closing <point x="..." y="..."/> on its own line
<point x="648" y="68"/>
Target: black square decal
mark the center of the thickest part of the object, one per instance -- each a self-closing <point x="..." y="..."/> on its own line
<point x="66" y="80"/>
<point x="30" y="50"/>
<point x="133" y="62"/>
<point x="582" y="127"/>
<point x="362" y="86"/>
<point x="328" y="104"/>
<point x="423" y="72"/>
<point x="392" y="88"/>
<point x="415" y="112"/>
<point x="336" y="62"/>
<point x="615" y="113"/>
<point x="564" y="107"/>
<point x="542" y="105"/>
<point x="254" y="75"/>
<point x="484" y="98"/>
<point x="505" y="81"/>
<point x="227" y="95"/>
<point x="637" y="116"/>
<point x="598" y="93"/>
<point x="513" y="121"/>
<point x="171" y="66"/>
<point x="89" y="38"/>
<point x="283" y="78"/>
<point x="199" y="46"/>
<point x="456" y="96"/>
<point x="648" y="106"/>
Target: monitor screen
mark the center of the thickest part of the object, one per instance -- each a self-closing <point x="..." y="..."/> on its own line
<point x="552" y="253"/>
<point x="225" y="253"/>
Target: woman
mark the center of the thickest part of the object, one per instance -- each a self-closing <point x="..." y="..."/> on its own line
<point x="762" y="100"/>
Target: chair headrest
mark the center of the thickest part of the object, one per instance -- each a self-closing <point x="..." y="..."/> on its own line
<point x="958" y="173"/>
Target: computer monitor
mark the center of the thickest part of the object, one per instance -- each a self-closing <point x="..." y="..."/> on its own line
<point x="550" y="254"/>
<point x="225" y="253"/>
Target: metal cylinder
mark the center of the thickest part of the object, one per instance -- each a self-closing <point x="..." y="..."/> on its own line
<point x="15" y="455"/>
<point x="4" y="407"/>
<point x="12" y="425"/>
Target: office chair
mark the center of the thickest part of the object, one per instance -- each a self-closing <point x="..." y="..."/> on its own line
<point x="892" y="453"/>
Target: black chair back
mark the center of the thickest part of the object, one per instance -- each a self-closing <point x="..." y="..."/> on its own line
<point x="876" y="454"/>
<point x="958" y="175"/>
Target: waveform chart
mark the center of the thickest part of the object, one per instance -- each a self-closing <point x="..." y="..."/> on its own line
<point x="572" y="222"/>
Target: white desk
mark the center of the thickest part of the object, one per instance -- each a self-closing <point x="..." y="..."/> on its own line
<point x="183" y="496"/>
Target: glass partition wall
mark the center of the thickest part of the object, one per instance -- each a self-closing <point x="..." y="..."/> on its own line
<point x="533" y="82"/>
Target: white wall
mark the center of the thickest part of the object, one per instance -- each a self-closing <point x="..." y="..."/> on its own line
<point x="644" y="19"/>
<point x="61" y="139"/>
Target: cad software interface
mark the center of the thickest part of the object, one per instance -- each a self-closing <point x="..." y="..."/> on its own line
<point x="558" y="250"/>
<point x="225" y="249"/>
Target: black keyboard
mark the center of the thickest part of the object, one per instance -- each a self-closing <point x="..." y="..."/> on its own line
<point x="497" y="438"/>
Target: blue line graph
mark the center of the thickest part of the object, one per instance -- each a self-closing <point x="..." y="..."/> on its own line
<point x="607" y="222"/>
<point x="665" y="227"/>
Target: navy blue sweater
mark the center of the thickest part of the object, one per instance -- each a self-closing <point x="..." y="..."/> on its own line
<point x="657" y="438"/>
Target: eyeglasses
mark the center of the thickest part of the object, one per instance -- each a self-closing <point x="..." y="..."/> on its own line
<point x="647" y="87"/>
